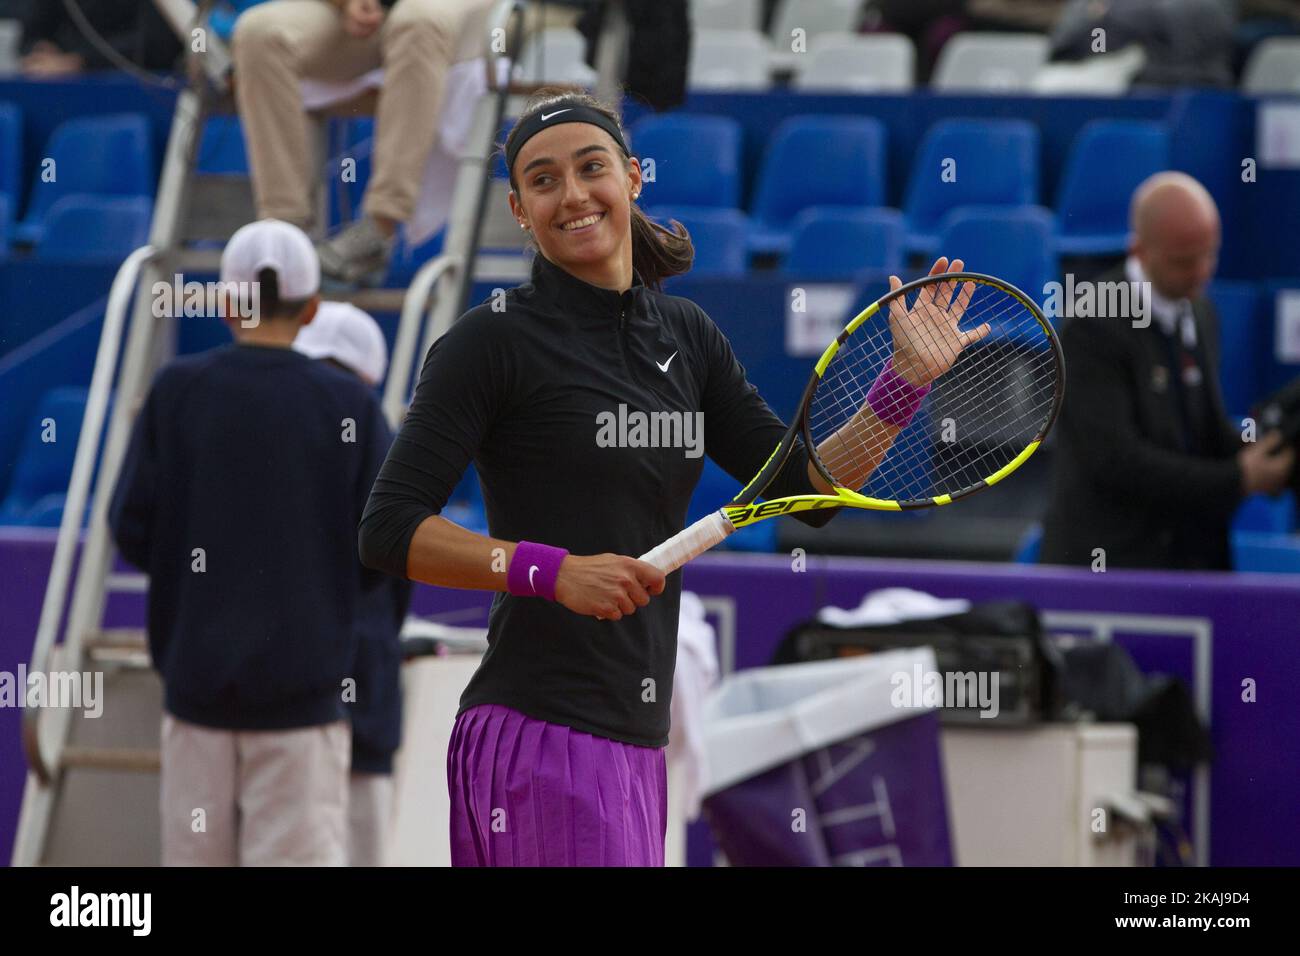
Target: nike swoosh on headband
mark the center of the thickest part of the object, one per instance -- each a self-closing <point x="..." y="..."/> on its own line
<point x="546" y="116"/>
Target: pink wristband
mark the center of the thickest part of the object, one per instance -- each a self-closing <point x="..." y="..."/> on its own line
<point x="894" y="399"/>
<point x="533" y="570"/>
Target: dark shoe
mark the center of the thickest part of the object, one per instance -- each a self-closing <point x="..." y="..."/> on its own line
<point x="357" y="255"/>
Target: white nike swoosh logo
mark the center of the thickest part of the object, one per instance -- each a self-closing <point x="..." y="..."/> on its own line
<point x="664" y="366"/>
<point x="531" y="571"/>
<point x="546" y="116"/>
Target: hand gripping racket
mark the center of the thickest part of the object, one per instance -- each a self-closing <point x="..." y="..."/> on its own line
<point x="996" y="377"/>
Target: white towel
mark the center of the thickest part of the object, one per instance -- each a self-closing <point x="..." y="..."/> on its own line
<point x="695" y="678"/>
<point x="892" y="606"/>
<point x="465" y="83"/>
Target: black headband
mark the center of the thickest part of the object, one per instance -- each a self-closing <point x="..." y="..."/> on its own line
<point x="554" y="115"/>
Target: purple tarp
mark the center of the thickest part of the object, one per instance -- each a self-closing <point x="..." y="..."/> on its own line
<point x="873" y="800"/>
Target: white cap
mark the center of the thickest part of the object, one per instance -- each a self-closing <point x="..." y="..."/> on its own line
<point x="348" y="335"/>
<point x="273" y="244"/>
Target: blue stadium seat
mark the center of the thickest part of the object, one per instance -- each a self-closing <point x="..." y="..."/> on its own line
<point x="82" y="228"/>
<point x="221" y="149"/>
<point x="717" y="234"/>
<point x="47" y="512"/>
<point x="816" y="161"/>
<point x="836" y="242"/>
<point x="1264" y="551"/>
<point x="1013" y="243"/>
<point x="968" y="162"/>
<point x="1108" y="160"/>
<point x="1031" y="542"/>
<point x="696" y="159"/>
<point x="43" y="470"/>
<point x="225" y="14"/>
<point x="465" y="507"/>
<point x="1266" y="514"/>
<point x="468" y="490"/>
<point x="1245" y="345"/>
<point x="104" y="155"/>
<point x="11" y="154"/>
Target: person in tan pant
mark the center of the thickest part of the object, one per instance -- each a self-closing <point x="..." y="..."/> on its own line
<point x="277" y="44"/>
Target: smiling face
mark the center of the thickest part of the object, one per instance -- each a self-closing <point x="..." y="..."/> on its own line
<point x="574" y="194"/>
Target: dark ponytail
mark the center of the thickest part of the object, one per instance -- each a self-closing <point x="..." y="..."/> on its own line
<point x="657" y="252"/>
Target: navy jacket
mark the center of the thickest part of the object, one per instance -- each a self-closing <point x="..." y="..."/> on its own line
<point x="245" y="479"/>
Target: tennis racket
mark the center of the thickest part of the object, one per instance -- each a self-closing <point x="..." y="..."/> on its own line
<point x="996" y="377"/>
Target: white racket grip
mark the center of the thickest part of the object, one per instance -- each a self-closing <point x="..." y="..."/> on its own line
<point x="689" y="542"/>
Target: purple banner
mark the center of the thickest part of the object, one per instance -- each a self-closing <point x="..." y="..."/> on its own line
<point x="873" y="800"/>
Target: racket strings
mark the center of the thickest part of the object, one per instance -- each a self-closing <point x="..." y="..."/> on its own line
<point x="920" y="465"/>
<point x="849" y="380"/>
<point x="995" y="427"/>
<point x="981" y="413"/>
<point x="965" y="442"/>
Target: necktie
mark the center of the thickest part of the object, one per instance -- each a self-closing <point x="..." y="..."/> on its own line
<point x="1190" y="372"/>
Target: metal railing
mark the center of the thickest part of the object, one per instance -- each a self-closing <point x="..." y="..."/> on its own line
<point x="1200" y="631"/>
<point x="56" y="588"/>
<point x="45" y="730"/>
<point x="414" y="306"/>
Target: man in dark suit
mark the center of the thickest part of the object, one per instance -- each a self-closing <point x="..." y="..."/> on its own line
<point x="1148" y="468"/>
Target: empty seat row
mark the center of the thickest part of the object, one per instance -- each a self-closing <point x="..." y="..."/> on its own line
<point x="813" y="17"/>
<point x="865" y="63"/>
<point x="39" y="482"/>
<point x="832" y="61"/>
<point x="91" y="194"/>
<point x="731" y="51"/>
<point x="745" y="59"/>
<point x="813" y="161"/>
<point x="727" y="55"/>
<point x="1014" y="243"/>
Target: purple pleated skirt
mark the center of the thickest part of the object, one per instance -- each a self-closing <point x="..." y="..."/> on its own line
<point x="525" y="792"/>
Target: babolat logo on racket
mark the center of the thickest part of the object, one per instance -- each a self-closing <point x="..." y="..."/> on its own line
<point x="778" y="507"/>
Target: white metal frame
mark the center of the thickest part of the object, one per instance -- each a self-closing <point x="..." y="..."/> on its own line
<point x="1200" y="631"/>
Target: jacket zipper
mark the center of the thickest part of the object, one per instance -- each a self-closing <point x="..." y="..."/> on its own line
<point x="622" y="345"/>
<point x="655" y="401"/>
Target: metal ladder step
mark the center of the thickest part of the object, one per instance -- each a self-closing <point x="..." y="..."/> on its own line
<point x="123" y="646"/>
<point x="218" y="204"/>
<point x="127" y="582"/>
<point x="117" y="639"/>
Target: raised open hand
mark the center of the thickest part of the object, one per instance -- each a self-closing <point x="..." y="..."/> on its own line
<point x="927" y="341"/>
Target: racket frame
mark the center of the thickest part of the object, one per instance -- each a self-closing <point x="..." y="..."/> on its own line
<point x="742" y="511"/>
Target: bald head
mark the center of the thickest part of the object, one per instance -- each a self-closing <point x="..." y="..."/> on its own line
<point x="1175" y="233"/>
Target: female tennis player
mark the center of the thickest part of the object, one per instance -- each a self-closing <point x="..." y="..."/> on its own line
<point x="556" y="757"/>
